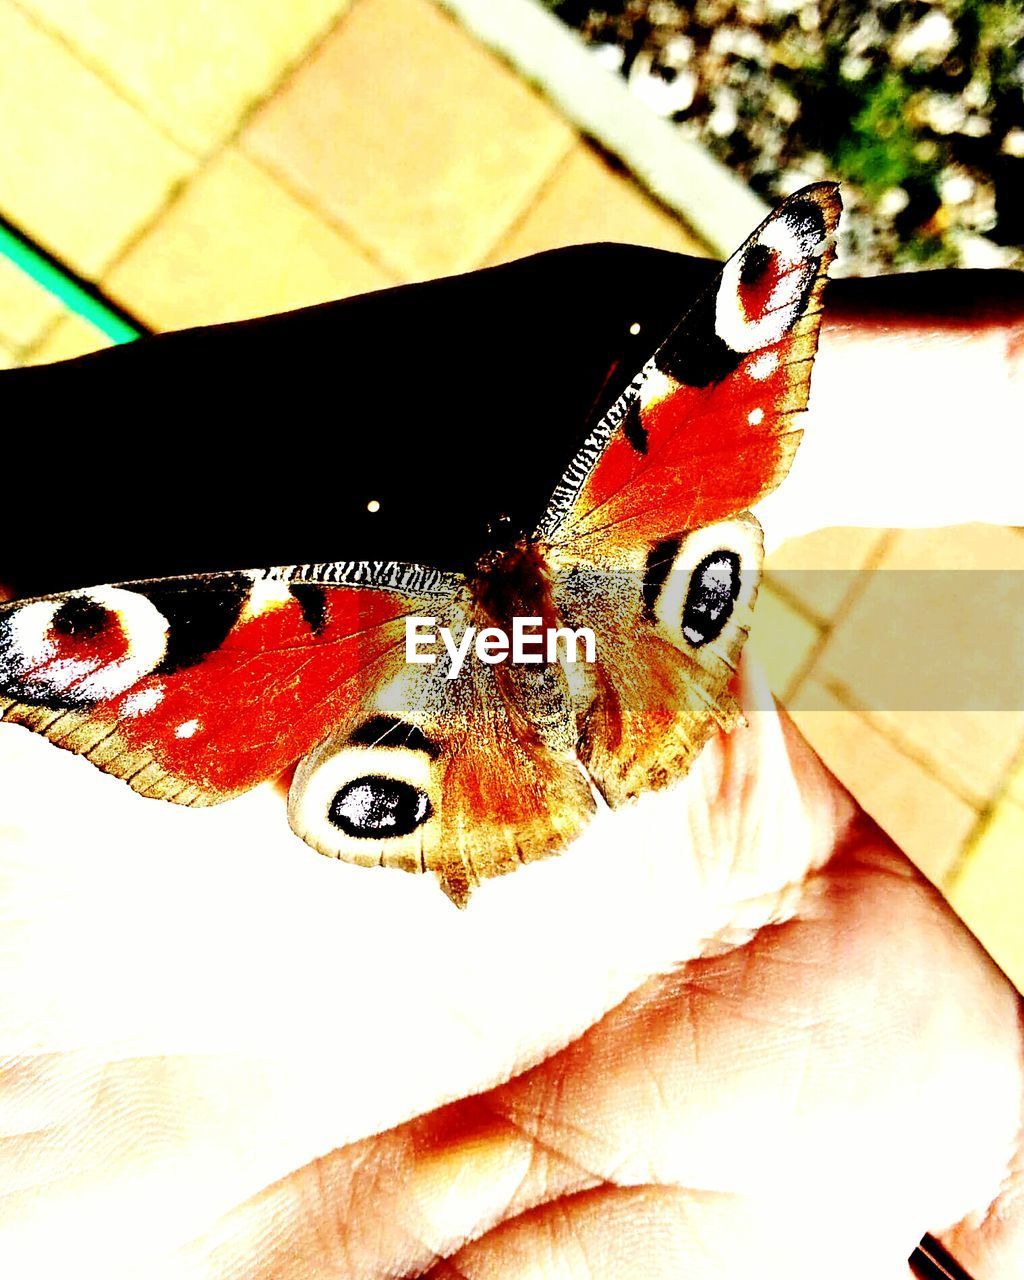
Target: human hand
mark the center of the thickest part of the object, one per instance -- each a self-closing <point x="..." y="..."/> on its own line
<point x="719" y="1012"/>
<point x="730" y="1031"/>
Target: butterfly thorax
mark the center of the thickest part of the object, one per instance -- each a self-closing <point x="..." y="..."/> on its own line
<point x="511" y="583"/>
<point x="516" y="583"/>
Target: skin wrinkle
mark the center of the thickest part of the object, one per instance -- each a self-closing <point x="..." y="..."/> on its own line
<point x="539" y="1116"/>
<point x="511" y="1210"/>
<point x="575" y="1237"/>
<point x="587" y="1177"/>
<point x="562" y="1223"/>
<point x="717" y="996"/>
<point x="556" y="1095"/>
<point x="682" y="1231"/>
<point x="338" y="1198"/>
<point x="901" y="877"/>
<point x="334" y="1213"/>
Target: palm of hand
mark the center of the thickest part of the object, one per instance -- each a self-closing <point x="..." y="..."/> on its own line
<point x="224" y="1058"/>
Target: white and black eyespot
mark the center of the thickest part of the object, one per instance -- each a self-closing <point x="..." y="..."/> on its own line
<point x="764" y="288"/>
<point x="711" y="597"/>
<point x="376" y="807"/>
<point x="696" y="587"/>
<point x="369" y="804"/>
<point x="81" y="648"/>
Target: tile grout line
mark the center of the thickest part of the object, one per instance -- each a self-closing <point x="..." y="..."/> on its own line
<point x="174" y="197"/>
<point x="999" y="796"/>
<point x="983" y="807"/>
<point x="844" y="695"/>
<point x="531" y="201"/>
<point x="328" y="220"/>
<point x="333" y="220"/>
<point x="289" y="70"/>
<point x="27" y="352"/>
<point x="793" y="601"/>
<point x="256" y="104"/>
<point x="982" y="814"/>
<point x="231" y="140"/>
<point x="89" y="63"/>
<point x="548" y="55"/>
<point x="203" y="160"/>
<point x="964" y="854"/>
<point x="103" y="73"/>
<point x="827" y="626"/>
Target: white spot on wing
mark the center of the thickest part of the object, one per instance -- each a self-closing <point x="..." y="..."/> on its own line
<point x="265" y="595"/>
<point x="138" y="704"/>
<point x="657" y="386"/>
<point x="755" y="417"/>
<point x="187" y="729"/>
<point x="763" y="366"/>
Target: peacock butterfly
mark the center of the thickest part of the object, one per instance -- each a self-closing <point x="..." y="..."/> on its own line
<point x="197" y="688"/>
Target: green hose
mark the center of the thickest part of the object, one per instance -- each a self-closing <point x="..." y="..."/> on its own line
<point x="76" y="295"/>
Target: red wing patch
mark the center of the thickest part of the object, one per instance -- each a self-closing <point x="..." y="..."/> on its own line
<point x="197" y="689"/>
<point x="707" y="428"/>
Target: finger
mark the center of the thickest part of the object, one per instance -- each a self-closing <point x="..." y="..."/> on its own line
<point x="666" y="1232"/>
<point x="989" y="1242"/>
<point x="898" y="358"/>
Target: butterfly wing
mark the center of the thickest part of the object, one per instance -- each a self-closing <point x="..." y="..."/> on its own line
<point x="648" y="529"/>
<point x="196" y="689"/>
<point x="707" y="427"/>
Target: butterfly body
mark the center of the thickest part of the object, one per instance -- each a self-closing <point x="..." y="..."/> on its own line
<point x="195" y="689"/>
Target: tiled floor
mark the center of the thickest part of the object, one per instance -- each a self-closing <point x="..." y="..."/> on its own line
<point x="944" y="779"/>
<point x="237" y="244"/>
<point x="428" y="170"/>
<point x="84" y="170"/>
<point x="214" y="159"/>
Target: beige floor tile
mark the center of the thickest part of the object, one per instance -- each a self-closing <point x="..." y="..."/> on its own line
<point x="968" y="750"/>
<point x="821" y="568"/>
<point x="404" y="129"/>
<point x="25" y="308"/>
<point x="71" y="336"/>
<point x="962" y="546"/>
<point x="587" y="200"/>
<point x="192" y="65"/>
<point x="989" y="891"/>
<point x="781" y="639"/>
<point x="926" y="819"/>
<point x="237" y="245"/>
<point x="937" y="659"/>
<point x="82" y="170"/>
